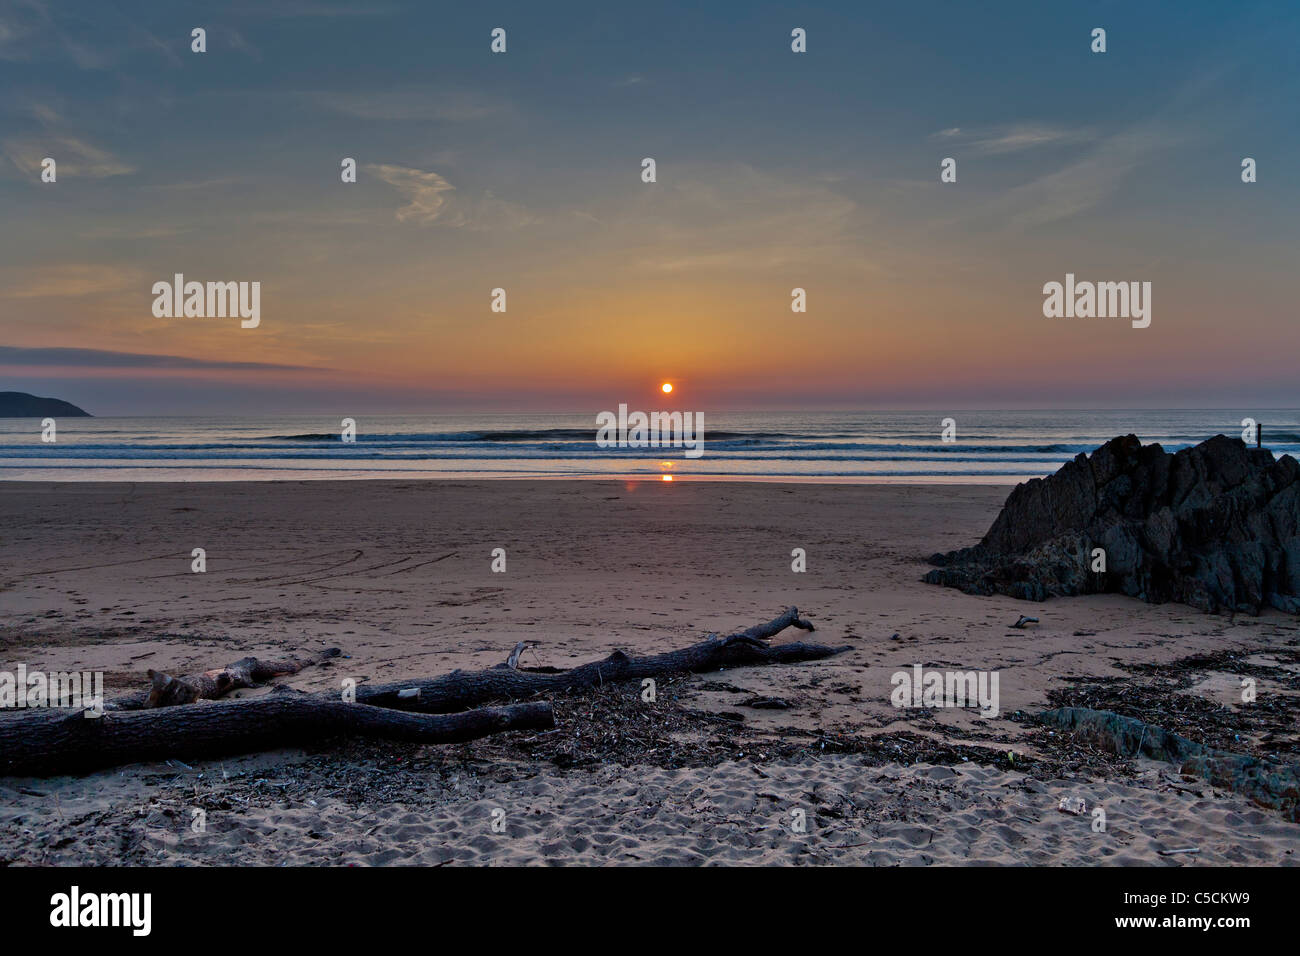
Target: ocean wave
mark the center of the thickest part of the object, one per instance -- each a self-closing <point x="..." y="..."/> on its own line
<point x="754" y="445"/>
<point x="533" y="435"/>
<point x="711" y="445"/>
<point x="360" y="453"/>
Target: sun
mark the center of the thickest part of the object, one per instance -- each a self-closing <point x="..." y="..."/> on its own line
<point x="667" y="387"/>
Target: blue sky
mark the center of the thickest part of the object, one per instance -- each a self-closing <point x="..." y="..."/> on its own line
<point x="775" y="170"/>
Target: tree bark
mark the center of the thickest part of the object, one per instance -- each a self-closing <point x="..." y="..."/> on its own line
<point x="460" y="690"/>
<point x="168" y="691"/>
<point x="58" y="742"/>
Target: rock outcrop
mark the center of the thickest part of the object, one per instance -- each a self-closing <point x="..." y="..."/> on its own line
<point x="1216" y="526"/>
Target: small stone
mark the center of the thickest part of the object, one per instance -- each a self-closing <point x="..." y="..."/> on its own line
<point x="1072" y="805"/>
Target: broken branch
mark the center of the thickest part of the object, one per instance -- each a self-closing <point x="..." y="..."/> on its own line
<point x="460" y="690"/>
<point x="58" y="742"/>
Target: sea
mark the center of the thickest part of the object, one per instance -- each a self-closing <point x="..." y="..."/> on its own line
<point x="875" y="446"/>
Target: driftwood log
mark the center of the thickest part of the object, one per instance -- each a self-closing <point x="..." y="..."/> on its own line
<point x="460" y="690"/>
<point x="131" y="729"/>
<point x="168" y="691"/>
<point x="59" y="742"/>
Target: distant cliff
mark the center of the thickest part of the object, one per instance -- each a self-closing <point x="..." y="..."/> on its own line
<point x="22" y="405"/>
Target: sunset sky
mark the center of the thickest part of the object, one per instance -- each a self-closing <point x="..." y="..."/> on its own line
<point x="523" y="171"/>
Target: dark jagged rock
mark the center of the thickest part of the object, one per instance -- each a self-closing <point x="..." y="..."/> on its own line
<point x="22" y="405"/>
<point x="1216" y="526"/>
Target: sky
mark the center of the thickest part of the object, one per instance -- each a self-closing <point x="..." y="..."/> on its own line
<point x="522" y="170"/>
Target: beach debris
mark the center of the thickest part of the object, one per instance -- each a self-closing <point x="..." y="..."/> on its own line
<point x="1189" y="849"/>
<point x="1072" y="805"/>
<point x="168" y="691"/>
<point x="1269" y="783"/>
<point x="766" y="703"/>
<point x="51" y="742"/>
<point x="1215" y="526"/>
<point x="512" y="661"/>
<point x="1025" y="620"/>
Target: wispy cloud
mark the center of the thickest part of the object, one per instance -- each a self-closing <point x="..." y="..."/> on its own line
<point x="1084" y="183"/>
<point x="193" y="184"/>
<point x="19" y="23"/>
<point x="739" y="217"/>
<point x="429" y="199"/>
<point x="409" y="105"/>
<point x="238" y="42"/>
<point x="292" y="9"/>
<point x="71" y="279"/>
<point x="1013" y="139"/>
<point x="73" y="156"/>
<point x="97" y="233"/>
<point x="423" y="191"/>
<point x="92" y="36"/>
<point x="18" y="357"/>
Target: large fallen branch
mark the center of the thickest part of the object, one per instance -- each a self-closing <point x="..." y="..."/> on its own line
<point x="44" y="743"/>
<point x="58" y="742"/>
<point x="460" y="690"/>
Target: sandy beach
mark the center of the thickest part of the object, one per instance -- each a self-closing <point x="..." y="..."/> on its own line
<point x="398" y="574"/>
